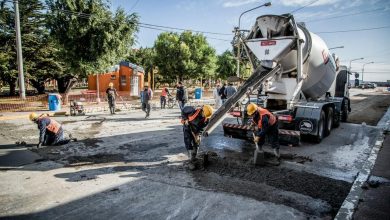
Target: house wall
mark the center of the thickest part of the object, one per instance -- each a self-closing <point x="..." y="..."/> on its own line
<point x="121" y="80"/>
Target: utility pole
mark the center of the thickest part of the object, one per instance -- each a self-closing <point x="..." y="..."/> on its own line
<point x="22" y="91"/>
<point x="238" y="51"/>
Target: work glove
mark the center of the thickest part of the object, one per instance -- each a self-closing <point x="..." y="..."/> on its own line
<point x="198" y="138"/>
<point x="256" y="139"/>
<point x="186" y="122"/>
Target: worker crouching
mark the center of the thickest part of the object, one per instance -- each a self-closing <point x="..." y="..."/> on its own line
<point x="50" y="131"/>
<point x="266" y="124"/>
<point x="194" y="121"/>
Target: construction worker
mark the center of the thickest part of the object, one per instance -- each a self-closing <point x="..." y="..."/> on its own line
<point x="181" y="95"/>
<point x="194" y="121"/>
<point x="50" y="131"/>
<point x="111" y="96"/>
<point x="146" y="96"/>
<point x="265" y="124"/>
<point x="164" y="97"/>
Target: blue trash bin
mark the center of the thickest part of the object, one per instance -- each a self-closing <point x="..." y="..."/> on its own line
<point x="54" y="102"/>
<point x="198" y="93"/>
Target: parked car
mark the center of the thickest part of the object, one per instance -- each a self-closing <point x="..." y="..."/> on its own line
<point x="367" y="86"/>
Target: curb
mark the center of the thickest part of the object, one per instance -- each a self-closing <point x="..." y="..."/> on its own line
<point x="351" y="202"/>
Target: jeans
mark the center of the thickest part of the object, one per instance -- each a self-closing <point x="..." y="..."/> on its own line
<point x="55" y="139"/>
<point x="273" y="136"/>
<point x="163" y="101"/>
<point x="111" y="105"/>
<point x="181" y="104"/>
<point x="189" y="139"/>
<point x="146" y="108"/>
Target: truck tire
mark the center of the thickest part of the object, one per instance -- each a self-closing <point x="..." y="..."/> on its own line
<point x="329" y="121"/>
<point x="321" y="128"/>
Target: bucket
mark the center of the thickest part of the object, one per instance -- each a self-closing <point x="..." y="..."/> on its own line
<point x="198" y="93"/>
<point x="54" y="102"/>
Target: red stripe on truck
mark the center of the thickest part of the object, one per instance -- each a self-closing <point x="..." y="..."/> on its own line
<point x="267" y="43"/>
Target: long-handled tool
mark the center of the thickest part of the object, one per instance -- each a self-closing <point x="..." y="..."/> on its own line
<point x="259" y="153"/>
<point x="123" y="102"/>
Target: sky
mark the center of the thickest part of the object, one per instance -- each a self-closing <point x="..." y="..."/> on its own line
<point x="221" y="16"/>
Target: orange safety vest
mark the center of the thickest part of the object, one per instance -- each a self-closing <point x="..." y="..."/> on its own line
<point x="263" y="111"/>
<point x="54" y="126"/>
<point x="192" y="117"/>
<point x="163" y="92"/>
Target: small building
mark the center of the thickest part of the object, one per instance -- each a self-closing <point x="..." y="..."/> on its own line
<point x="128" y="78"/>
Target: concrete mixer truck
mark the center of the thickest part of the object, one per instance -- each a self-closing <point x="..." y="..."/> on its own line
<point x="308" y="90"/>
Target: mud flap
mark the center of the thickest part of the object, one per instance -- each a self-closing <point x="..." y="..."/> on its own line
<point x="237" y="131"/>
<point x="289" y="137"/>
<point x="244" y="132"/>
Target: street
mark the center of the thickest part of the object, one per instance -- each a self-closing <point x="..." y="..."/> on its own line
<point x="128" y="167"/>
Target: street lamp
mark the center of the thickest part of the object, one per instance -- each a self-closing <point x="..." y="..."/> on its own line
<point x="350" y="62"/>
<point x="363" y="68"/>
<point x="339" y="47"/>
<point x="237" y="30"/>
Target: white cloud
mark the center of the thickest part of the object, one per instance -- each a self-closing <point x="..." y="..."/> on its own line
<point x="237" y="3"/>
<point x="306" y="2"/>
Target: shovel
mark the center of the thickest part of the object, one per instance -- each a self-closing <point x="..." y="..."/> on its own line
<point x="258" y="155"/>
<point x="205" y="156"/>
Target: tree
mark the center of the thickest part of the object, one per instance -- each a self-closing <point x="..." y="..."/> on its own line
<point x="8" y="69"/>
<point x="90" y="36"/>
<point x="184" y="56"/>
<point x="226" y="65"/>
<point x="37" y="48"/>
<point x="143" y="57"/>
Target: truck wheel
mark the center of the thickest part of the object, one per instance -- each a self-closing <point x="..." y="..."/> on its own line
<point x="329" y="121"/>
<point x="321" y="128"/>
<point x="344" y="111"/>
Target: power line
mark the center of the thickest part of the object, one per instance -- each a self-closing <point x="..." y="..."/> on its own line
<point x="165" y="30"/>
<point x="353" y="30"/>
<point x="134" y="5"/>
<point x="182" y="29"/>
<point x="345" y="15"/>
<point x="84" y="15"/>
<point x="298" y="9"/>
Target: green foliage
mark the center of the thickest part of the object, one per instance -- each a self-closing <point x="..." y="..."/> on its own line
<point x="142" y="57"/>
<point x="226" y="65"/>
<point x="184" y="56"/>
<point x="37" y="48"/>
<point x="90" y="36"/>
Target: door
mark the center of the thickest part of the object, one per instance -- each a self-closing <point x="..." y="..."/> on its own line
<point x="134" y="86"/>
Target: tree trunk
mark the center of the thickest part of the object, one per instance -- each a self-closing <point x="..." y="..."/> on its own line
<point x="64" y="85"/>
<point x="61" y="84"/>
<point x="39" y="86"/>
<point x="12" y="87"/>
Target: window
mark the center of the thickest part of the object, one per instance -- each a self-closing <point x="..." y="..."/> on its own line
<point x="123" y="80"/>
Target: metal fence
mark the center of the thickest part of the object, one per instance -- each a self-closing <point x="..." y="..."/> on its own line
<point x="40" y="102"/>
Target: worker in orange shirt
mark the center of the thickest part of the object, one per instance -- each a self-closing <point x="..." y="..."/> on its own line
<point x="266" y="124"/>
<point x="50" y="131"/>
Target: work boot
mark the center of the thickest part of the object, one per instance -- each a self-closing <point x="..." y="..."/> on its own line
<point x="192" y="155"/>
<point x="191" y="166"/>
<point x="277" y="153"/>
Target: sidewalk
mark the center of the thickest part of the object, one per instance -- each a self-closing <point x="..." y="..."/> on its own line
<point x="375" y="200"/>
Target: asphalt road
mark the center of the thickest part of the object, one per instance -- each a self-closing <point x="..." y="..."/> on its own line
<point x="127" y="167"/>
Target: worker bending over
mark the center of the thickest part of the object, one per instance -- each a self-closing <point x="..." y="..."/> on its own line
<point x="265" y="124"/>
<point x="194" y="121"/>
<point x="50" y="131"/>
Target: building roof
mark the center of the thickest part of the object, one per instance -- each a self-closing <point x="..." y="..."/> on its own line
<point x="132" y="66"/>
